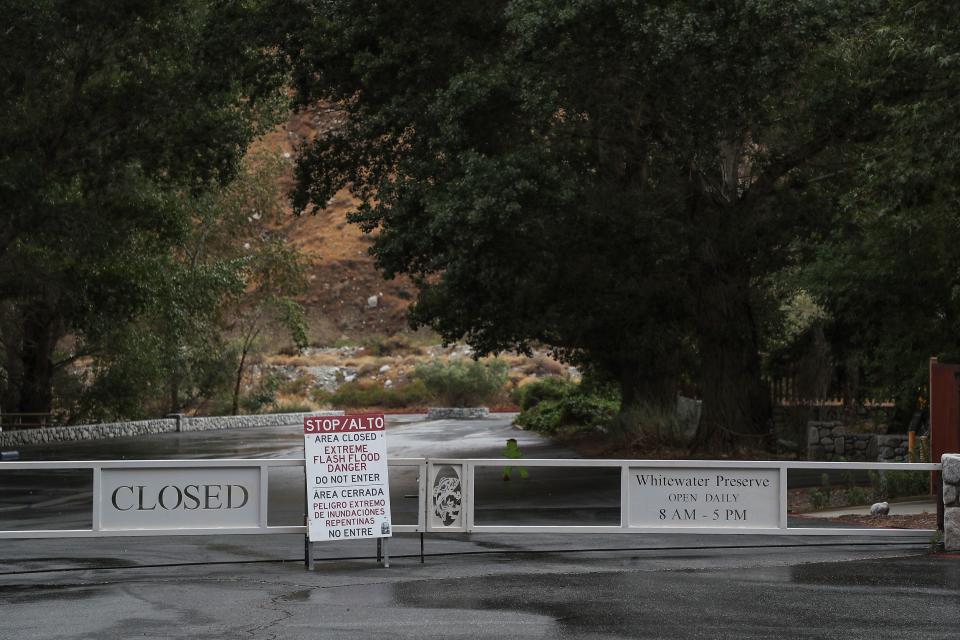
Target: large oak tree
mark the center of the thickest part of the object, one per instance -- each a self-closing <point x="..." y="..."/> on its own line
<point x="617" y="179"/>
<point x="111" y="116"/>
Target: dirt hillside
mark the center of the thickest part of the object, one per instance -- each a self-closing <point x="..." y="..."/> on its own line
<point x="342" y="276"/>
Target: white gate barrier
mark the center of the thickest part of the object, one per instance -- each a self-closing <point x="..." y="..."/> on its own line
<point x="230" y="496"/>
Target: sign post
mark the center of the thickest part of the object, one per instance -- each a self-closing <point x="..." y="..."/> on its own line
<point x="348" y="490"/>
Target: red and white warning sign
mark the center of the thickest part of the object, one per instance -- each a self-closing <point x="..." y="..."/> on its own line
<point x="348" y="492"/>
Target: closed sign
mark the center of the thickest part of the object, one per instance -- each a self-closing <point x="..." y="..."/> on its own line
<point x="180" y="498"/>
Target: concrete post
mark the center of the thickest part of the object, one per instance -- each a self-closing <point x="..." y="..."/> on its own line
<point x="951" y="501"/>
<point x="179" y="418"/>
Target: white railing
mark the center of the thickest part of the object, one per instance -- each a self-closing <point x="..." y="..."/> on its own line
<point x="445" y="492"/>
<point x="465" y="471"/>
<point x="257" y="524"/>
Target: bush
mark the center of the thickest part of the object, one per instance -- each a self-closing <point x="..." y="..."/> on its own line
<point x="660" y="426"/>
<point x="856" y="495"/>
<point x="299" y="386"/>
<point x="292" y="407"/>
<point x="369" y="394"/>
<point x="530" y="395"/>
<point x="574" y="409"/>
<point x="898" y="484"/>
<point x="379" y="346"/>
<point x="463" y="383"/>
<point x="263" y="394"/>
<point x="819" y="499"/>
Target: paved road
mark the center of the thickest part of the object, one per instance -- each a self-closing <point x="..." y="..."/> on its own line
<point x="478" y="588"/>
<point x="506" y="586"/>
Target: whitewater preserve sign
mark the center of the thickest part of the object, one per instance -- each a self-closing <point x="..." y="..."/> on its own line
<point x="704" y="497"/>
<point x="348" y="491"/>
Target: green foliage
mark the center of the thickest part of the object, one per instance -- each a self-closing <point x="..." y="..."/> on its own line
<point x="616" y="180"/>
<point x="895" y="235"/>
<point x="366" y="394"/>
<point x="292" y="407"/>
<point x="825" y="487"/>
<point x="888" y="485"/>
<point x="572" y="409"/>
<point x="379" y="346"/>
<point x="856" y="495"/>
<point x="116" y="118"/>
<point x="263" y="395"/>
<point x="463" y="382"/>
<point x="552" y="388"/>
<point x="660" y="425"/>
<point x="819" y="500"/>
<point x="297" y="386"/>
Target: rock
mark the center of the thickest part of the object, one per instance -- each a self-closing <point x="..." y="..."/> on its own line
<point x="388" y="384"/>
<point x="839" y="446"/>
<point x="385" y="368"/>
<point x="457" y="413"/>
<point x="951" y="529"/>
<point x="372" y="302"/>
<point x="350" y="377"/>
<point x="951" y="468"/>
<point x="860" y="445"/>
<point x="827" y="442"/>
<point x="880" y="509"/>
<point x="949" y="494"/>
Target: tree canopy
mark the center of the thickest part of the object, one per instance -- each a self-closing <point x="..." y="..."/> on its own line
<point x="112" y="116"/>
<point x="887" y="270"/>
<point x="619" y="180"/>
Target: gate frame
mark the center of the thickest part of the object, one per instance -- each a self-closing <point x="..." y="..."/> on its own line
<point x="469" y="467"/>
<point x="428" y="468"/>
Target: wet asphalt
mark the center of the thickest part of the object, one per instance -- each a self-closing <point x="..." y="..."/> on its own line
<point x="481" y="586"/>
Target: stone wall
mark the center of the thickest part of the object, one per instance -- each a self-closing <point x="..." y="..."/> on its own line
<point x="26" y="437"/>
<point x="790" y="422"/>
<point x="457" y="413"/>
<point x="830" y="441"/>
<point x="951" y="501"/>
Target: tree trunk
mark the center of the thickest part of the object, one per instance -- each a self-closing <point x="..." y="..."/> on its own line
<point x="174" y="391"/>
<point x="736" y="404"/>
<point x="236" y="388"/>
<point x="40" y="336"/>
<point x="647" y="386"/>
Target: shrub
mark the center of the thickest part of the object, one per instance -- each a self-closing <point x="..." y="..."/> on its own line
<point x="819" y="499"/>
<point x="897" y="484"/>
<point x="660" y="426"/>
<point x="530" y="395"/>
<point x="907" y="483"/>
<point x="856" y="495"/>
<point x="463" y="383"/>
<point x="572" y="409"/>
<point x="263" y="394"/>
<point x="379" y="345"/>
<point x="292" y="407"/>
<point x="298" y="386"/>
<point x="825" y="487"/>
<point x="367" y="394"/>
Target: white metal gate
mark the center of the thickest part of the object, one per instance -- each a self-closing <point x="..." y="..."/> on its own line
<point x="445" y="492"/>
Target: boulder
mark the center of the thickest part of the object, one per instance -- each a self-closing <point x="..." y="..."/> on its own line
<point x="951" y="468"/>
<point x="951" y="529"/>
<point x="880" y="509"/>
<point x="949" y="494"/>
